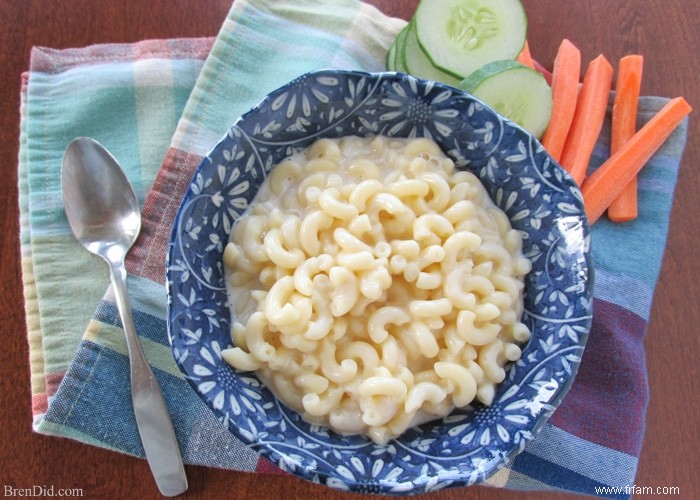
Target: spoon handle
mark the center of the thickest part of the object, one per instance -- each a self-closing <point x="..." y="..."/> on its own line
<point x="152" y="416"/>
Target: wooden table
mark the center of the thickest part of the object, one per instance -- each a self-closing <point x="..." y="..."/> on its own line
<point x="667" y="33"/>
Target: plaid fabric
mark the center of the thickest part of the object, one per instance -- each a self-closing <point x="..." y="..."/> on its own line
<point x="129" y="97"/>
<point x="149" y="101"/>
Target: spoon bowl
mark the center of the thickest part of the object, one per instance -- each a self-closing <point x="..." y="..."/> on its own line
<point x="104" y="215"/>
<point x="101" y="205"/>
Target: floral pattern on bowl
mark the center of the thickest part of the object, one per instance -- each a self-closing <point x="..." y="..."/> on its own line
<point x="539" y="197"/>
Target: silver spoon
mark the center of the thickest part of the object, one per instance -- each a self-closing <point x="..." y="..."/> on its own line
<point x="103" y="213"/>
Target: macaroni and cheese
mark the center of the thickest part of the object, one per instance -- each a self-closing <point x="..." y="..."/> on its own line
<point x="374" y="286"/>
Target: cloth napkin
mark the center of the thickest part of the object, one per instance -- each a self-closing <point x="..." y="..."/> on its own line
<point x="160" y="106"/>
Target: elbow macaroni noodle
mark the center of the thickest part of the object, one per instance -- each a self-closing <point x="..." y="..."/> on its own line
<point x="375" y="287"/>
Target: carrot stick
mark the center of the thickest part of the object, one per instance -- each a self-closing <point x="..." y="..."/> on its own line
<point x="565" y="80"/>
<point x="608" y="181"/>
<point x="525" y="57"/>
<point x="624" y="125"/>
<point x="588" y="118"/>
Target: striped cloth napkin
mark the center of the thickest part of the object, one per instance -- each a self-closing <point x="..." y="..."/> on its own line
<point x="160" y="106"/>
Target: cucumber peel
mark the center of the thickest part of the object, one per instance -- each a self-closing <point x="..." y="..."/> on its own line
<point x="390" y="62"/>
<point x="400" y="43"/>
<point x="515" y="91"/>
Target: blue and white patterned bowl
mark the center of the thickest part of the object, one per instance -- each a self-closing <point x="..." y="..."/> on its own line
<point x="538" y="196"/>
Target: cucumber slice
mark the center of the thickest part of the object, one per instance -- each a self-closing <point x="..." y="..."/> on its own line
<point x="390" y="62"/>
<point x="417" y="62"/>
<point x="514" y="90"/>
<point x="400" y="44"/>
<point x="460" y="36"/>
